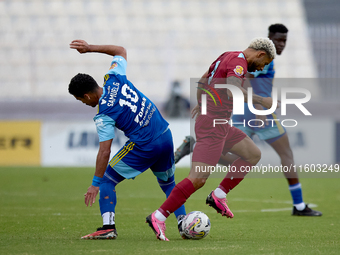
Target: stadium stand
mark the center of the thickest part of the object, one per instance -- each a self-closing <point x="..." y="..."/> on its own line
<point x="166" y="40"/>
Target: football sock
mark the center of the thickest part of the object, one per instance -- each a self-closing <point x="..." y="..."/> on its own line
<point x="235" y="175"/>
<point x="167" y="187"/>
<point x="193" y="147"/>
<point x="180" y="193"/>
<point x="220" y="193"/>
<point x="159" y="216"/>
<point x="107" y="197"/>
<point x="296" y="192"/>
<point x="300" y="207"/>
<point x="108" y="218"/>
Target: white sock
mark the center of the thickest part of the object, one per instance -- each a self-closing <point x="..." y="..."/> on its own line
<point x="108" y="218"/>
<point x="300" y="206"/>
<point x="159" y="216"/>
<point x="220" y="193"/>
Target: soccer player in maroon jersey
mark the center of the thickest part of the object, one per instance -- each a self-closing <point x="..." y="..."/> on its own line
<point x="274" y="134"/>
<point x="214" y="140"/>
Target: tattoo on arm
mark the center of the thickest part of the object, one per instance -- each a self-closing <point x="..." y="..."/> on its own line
<point x="233" y="80"/>
<point x="238" y="83"/>
<point x="246" y="83"/>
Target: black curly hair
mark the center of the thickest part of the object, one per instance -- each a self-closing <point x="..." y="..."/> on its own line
<point x="277" y="28"/>
<point x="82" y="84"/>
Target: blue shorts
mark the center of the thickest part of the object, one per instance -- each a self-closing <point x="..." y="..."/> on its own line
<point x="134" y="159"/>
<point x="269" y="133"/>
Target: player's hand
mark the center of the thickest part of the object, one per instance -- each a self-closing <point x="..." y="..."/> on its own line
<point x="267" y="102"/>
<point x="90" y="195"/>
<point x="196" y="111"/>
<point x="80" y="45"/>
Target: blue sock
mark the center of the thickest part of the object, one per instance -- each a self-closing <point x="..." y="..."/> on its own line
<point x="107" y="194"/>
<point x="296" y="192"/>
<point x="167" y="187"/>
<point x="107" y="197"/>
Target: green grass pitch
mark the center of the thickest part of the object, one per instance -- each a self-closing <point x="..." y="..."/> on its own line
<point x="42" y="211"/>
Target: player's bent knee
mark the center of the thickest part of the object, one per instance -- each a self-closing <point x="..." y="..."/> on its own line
<point x="255" y="157"/>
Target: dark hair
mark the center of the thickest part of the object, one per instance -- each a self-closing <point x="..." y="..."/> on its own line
<point x="277" y="28"/>
<point x="82" y="84"/>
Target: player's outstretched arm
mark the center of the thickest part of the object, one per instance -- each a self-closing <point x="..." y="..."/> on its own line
<point x="264" y="101"/>
<point x="83" y="47"/>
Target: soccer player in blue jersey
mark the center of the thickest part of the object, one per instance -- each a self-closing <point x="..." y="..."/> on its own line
<point x="275" y="135"/>
<point x="121" y="105"/>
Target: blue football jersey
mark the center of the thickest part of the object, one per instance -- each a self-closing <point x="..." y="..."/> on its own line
<point x="263" y="83"/>
<point x="123" y="106"/>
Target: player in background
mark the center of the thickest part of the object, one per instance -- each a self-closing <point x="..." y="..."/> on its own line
<point x="229" y="68"/>
<point x="272" y="132"/>
<point x="122" y="105"/>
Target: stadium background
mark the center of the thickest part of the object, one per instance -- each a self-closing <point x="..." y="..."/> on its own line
<point x="167" y="41"/>
<point x="42" y="209"/>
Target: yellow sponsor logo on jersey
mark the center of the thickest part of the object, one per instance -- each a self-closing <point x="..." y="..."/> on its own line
<point x="106" y="77"/>
<point x="238" y="70"/>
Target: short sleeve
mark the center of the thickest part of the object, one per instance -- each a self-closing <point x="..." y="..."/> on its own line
<point x="105" y="127"/>
<point x="237" y="67"/>
<point x="118" y="66"/>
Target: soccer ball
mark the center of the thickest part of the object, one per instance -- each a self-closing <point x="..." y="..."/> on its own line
<point x="195" y="225"/>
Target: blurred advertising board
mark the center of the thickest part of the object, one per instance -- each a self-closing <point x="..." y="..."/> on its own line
<point x="20" y="143"/>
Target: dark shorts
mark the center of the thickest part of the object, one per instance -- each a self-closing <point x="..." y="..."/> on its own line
<point x="212" y="142"/>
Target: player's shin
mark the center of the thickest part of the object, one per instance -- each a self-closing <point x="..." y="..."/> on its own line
<point x="107" y="202"/>
<point x="180" y="193"/>
<point x="236" y="174"/>
<point x="167" y="187"/>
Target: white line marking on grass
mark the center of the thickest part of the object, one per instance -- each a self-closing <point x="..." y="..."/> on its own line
<point x="196" y="248"/>
<point x="246" y="211"/>
<point x="285" y="209"/>
<point x="276" y="210"/>
<point x="268" y="201"/>
<point x="271" y="201"/>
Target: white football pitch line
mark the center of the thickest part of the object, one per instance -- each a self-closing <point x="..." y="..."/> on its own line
<point x="270" y="201"/>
